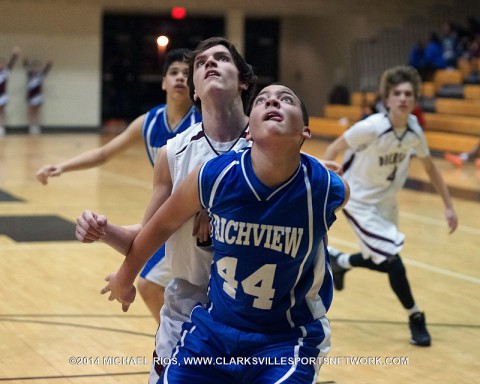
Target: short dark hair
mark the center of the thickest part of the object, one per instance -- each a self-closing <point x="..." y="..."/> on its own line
<point x="245" y="70"/>
<point x="177" y="54"/>
<point x="398" y="75"/>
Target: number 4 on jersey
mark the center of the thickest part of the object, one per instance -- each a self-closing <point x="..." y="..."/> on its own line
<point x="259" y="284"/>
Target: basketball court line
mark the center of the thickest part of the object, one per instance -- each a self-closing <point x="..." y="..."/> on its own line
<point x="425" y="266"/>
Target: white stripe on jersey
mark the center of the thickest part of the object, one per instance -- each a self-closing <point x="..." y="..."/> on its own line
<point x="152" y="151"/>
<point x="308" y="189"/>
<point x="218" y="180"/>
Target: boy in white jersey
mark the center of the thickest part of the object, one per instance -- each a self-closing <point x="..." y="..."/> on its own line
<point x="153" y="128"/>
<point x="376" y="161"/>
<point x="5" y="68"/>
<point x="270" y="283"/>
<point x="221" y="85"/>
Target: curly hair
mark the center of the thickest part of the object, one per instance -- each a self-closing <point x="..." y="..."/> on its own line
<point x="398" y="75"/>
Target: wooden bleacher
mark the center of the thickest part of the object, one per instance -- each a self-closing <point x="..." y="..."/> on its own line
<point x="326" y="127"/>
<point x="450" y="142"/>
<point x="471" y="92"/>
<point x="338" y="111"/>
<point x="428" y="89"/>
<point x="454" y="127"/>
<point x="447" y="76"/>
<point x="443" y="122"/>
<point x="360" y="98"/>
<point x="461" y="107"/>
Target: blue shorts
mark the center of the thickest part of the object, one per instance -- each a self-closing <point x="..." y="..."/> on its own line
<point x="212" y="352"/>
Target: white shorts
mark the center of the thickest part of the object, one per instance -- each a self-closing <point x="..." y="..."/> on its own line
<point x="3" y="100"/>
<point x="180" y="298"/>
<point x="157" y="270"/>
<point x="376" y="228"/>
<point x="35" y="101"/>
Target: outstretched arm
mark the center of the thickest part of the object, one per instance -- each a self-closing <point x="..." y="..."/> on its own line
<point x="13" y="57"/>
<point x="93" y="227"/>
<point x="440" y="186"/>
<point x="339" y="145"/>
<point x="47" y="67"/>
<point x="180" y="206"/>
<point x="97" y="156"/>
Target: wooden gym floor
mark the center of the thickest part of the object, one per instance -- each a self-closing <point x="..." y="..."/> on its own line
<point x="56" y="328"/>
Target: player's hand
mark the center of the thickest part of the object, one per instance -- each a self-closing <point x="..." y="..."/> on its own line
<point x="201" y="226"/>
<point x="90" y="227"/>
<point x="452" y="219"/>
<point x="124" y="295"/>
<point x="48" y="171"/>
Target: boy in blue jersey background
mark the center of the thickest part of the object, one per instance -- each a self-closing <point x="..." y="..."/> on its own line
<point x="271" y="283"/>
<point x="153" y="128"/>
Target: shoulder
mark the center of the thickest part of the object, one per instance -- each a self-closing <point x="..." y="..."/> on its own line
<point x="193" y="133"/>
<point x="366" y="130"/>
<point x="413" y="124"/>
<point x="222" y="161"/>
<point x="158" y="109"/>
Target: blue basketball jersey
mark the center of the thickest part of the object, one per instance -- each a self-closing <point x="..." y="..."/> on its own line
<point x="156" y="130"/>
<point x="270" y="267"/>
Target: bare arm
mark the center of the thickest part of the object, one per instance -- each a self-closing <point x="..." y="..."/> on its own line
<point x="440" y="186"/>
<point x="13" y="58"/>
<point x="92" y="227"/>
<point x="162" y="184"/>
<point x="338" y="146"/>
<point x="47" y="67"/>
<point x="97" y="156"/>
<point x="180" y="206"/>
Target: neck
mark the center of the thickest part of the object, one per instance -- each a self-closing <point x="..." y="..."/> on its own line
<point x="225" y="122"/>
<point x="398" y="121"/>
<point x="176" y="111"/>
<point x="273" y="168"/>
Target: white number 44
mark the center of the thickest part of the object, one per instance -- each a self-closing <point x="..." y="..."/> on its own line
<point x="259" y="284"/>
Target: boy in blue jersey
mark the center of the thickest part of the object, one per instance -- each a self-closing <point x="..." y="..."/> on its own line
<point x="153" y="128"/>
<point x="271" y="283"/>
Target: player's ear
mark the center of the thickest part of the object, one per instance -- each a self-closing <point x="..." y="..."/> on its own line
<point x="195" y="96"/>
<point x="306" y="134"/>
<point x="243" y="86"/>
<point x="249" y="137"/>
<point x="163" y="85"/>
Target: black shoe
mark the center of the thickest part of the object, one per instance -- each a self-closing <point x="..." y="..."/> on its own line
<point x="420" y="335"/>
<point x="338" y="271"/>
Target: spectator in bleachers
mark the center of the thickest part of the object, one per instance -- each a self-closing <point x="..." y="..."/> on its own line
<point x="450" y="44"/>
<point x="416" y="58"/>
<point x="433" y="56"/>
<point x="472" y="155"/>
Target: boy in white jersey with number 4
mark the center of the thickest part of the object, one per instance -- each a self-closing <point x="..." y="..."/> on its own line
<point x="376" y="161"/>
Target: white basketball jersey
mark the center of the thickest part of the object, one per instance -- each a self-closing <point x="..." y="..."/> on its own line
<point x="185" y="152"/>
<point x="376" y="165"/>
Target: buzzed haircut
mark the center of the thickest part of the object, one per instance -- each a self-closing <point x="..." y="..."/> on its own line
<point x="177" y="54"/>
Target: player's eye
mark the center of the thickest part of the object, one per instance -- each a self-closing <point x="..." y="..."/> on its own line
<point x="260" y="100"/>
